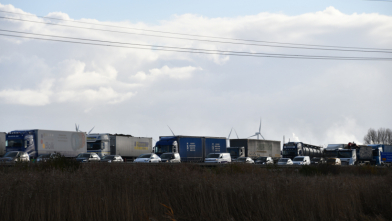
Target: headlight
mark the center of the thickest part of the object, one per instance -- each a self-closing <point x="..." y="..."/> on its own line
<point x="109" y="161"/>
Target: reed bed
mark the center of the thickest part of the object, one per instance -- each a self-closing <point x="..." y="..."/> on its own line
<point x="190" y="192"/>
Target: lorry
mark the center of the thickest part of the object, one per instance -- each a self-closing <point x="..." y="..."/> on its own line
<point x="36" y="142"/>
<point x="190" y="148"/>
<point x="2" y="143"/>
<point x="341" y="151"/>
<point x="254" y="148"/>
<point x="127" y="146"/>
<point x="382" y="153"/>
<point x="293" y="149"/>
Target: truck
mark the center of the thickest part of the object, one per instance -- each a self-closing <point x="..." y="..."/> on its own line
<point x="127" y="146"/>
<point x="190" y="148"/>
<point x="293" y="149"/>
<point x="36" y="142"/>
<point x="382" y="153"/>
<point x="254" y="148"/>
<point x="2" y="143"/>
<point x="341" y="151"/>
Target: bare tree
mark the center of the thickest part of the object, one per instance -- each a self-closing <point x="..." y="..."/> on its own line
<point x="381" y="136"/>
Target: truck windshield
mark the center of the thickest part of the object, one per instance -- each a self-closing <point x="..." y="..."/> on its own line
<point x="376" y="152"/>
<point x="15" y="143"/>
<point x="11" y="154"/>
<point x="345" y="154"/>
<point x="289" y="153"/>
<point x="213" y="155"/>
<point x="331" y="153"/>
<point x="163" y="149"/>
<point x="166" y="156"/>
<point x="94" y="145"/>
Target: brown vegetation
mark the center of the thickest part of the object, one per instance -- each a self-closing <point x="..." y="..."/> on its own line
<point x="190" y="192"/>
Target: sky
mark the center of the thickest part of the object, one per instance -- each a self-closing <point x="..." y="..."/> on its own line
<point x="53" y="85"/>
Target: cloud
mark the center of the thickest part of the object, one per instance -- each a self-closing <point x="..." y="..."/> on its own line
<point x="179" y="73"/>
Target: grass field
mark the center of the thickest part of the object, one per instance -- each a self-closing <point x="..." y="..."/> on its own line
<point x="67" y="191"/>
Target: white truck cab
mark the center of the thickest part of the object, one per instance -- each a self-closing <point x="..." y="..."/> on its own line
<point x="218" y="158"/>
<point x="301" y="160"/>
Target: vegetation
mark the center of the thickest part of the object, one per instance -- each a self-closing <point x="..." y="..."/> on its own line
<point x="381" y="136"/>
<point x="100" y="191"/>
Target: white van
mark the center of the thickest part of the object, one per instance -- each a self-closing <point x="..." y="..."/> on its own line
<point x="218" y="158"/>
<point x="301" y="160"/>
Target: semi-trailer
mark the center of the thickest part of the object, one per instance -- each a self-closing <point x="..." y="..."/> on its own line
<point x="254" y="148"/>
<point x="2" y="143"/>
<point x="190" y="148"/>
<point x="346" y="156"/>
<point x="36" y="142"/>
<point x="293" y="149"/>
<point x="381" y="152"/>
<point x="127" y="146"/>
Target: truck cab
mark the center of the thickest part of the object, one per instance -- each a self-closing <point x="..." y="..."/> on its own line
<point x="22" y="141"/>
<point x="98" y="143"/>
<point x="236" y="152"/>
<point x="166" y="145"/>
<point x="347" y="156"/>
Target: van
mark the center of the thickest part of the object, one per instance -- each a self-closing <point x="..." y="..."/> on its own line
<point x="218" y="158"/>
<point x="301" y="160"/>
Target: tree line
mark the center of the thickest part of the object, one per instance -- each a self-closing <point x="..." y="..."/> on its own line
<point x="381" y="136"/>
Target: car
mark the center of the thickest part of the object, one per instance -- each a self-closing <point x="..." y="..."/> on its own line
<point x="46" y="157"/>
<point x="264" y="160"/>
<point x="244" y="160"/>
<point x="15" y="156"/>
<point x="148" y="158"/>
<point x="112" y="159"/>
<point x="334" y="161"/>
<point x="317" y="160"/>
<point x="88" y="157"/>
<point x="218" y="158"/>
<point x="285" y="161"/>
<point x="170" y="158"/>
<point x="301" y="160"/>
<point x="101" y="155"/>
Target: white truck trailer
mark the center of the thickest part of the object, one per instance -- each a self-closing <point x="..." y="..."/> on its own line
<point x="127" y="146"/>
<point x="36" y="142"/>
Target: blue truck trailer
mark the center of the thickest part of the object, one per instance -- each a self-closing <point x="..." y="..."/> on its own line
<point x="190" y="148"/>
<point x="293" y="149"/>
<point x="36" y="142"/>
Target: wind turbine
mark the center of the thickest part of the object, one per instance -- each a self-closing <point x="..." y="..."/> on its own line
<point x="258" y="133"/>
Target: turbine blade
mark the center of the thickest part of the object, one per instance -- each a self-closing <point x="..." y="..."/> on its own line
<point x="230" y="133"/>
<point x="91" y="130"/>
<point x="76" y="128"/>
<point x="171" y="130"/>
<point x="262" y="137"/>
<point x="260" y="126"/>
<point x="236" y="134"/>
<point x="252" y="136"/>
